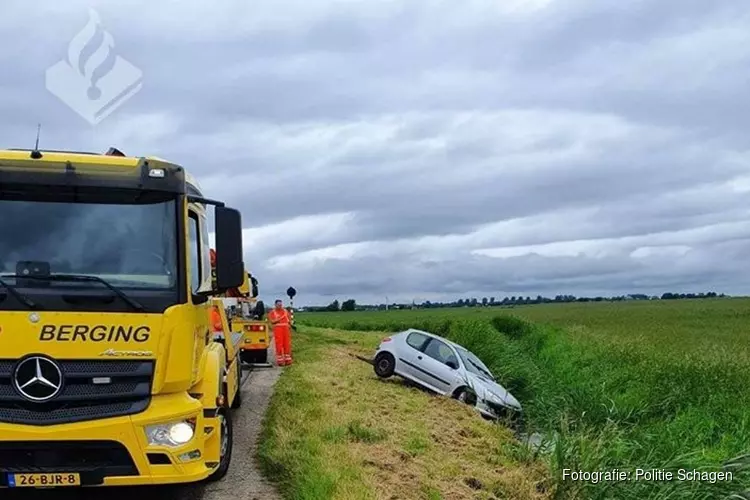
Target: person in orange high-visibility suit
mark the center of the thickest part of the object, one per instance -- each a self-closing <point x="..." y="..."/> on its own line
<point x="279" y="318"/>
<point x="216" y="325"/>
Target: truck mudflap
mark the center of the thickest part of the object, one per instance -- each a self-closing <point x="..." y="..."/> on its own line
<point x="108" y="452"/>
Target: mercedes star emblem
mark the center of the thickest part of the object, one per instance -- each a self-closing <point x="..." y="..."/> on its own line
<point x="38" y="379"/>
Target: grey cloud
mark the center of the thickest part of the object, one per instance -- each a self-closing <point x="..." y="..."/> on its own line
<point x="581" y="120"/>
<point x="394" y="206"/>
<point x="704" y="268"/>
<point x="579" y="27"/>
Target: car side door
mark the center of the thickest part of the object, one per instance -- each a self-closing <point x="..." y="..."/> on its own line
<point x="406" y="364"/>
<point x="433" y="365"/>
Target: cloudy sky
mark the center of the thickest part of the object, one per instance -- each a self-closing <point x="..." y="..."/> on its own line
<point x="427" y="149"/>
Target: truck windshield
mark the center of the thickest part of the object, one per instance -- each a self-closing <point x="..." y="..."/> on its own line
<point x="129" y="245"/>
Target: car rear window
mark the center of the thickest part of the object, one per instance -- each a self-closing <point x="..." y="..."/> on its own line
<point x="416" y="340"/>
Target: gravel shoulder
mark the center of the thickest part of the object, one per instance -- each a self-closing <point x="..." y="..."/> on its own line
<point x="244" y="480"/>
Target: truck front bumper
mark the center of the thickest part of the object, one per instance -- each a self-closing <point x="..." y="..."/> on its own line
<point x="112" y="451"/>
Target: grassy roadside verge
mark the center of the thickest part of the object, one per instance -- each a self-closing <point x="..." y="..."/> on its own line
<point x="613" y="401"/>
<point x="334" y="431"/>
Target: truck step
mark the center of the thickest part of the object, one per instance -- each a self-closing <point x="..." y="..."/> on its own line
<point x="257" y="365"/>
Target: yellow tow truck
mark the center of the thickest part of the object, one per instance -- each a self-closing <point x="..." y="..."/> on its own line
<point x="117" y="365"/>
<point x="247" y="317"/>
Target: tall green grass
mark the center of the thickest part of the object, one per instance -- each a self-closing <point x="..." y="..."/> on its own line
<point x="656" y="397"/>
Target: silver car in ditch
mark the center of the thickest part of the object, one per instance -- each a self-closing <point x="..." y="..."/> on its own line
<point x="444" y="367"/>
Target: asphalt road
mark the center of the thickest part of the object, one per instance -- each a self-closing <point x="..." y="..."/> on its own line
<point x="244" y="480"/>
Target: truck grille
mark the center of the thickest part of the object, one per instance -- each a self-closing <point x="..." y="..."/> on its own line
<point x="124" y="388"/>
<point x="94" y="460"/>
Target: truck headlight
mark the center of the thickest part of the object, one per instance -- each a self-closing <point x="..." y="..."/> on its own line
<point x="171" y="434"/>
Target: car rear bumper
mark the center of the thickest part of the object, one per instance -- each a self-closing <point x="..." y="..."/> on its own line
<point x="108" y="452"/>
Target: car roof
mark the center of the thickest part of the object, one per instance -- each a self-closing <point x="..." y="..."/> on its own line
<point x="413" y="330"/>
<point x="434" y="335"/>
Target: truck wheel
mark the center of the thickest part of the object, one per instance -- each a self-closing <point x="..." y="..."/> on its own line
<point x="261" y="356"/>
<point x="255" y="356"/>
<point x="245" y="357"/>
<point x="227" y="438"/>
<point x="238" y="397"/>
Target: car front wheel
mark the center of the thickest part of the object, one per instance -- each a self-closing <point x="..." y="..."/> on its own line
<point x="384" y="364"/>
<point x="466" y="396"/>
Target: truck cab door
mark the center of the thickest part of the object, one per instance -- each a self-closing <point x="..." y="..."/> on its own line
<point x="196" y="273"/>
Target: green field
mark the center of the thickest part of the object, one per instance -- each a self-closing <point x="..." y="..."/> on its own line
<point x="659" y="384"/>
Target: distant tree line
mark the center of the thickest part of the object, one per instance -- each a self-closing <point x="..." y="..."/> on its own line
<point x="351" y="304"/>
<point x="347" y="305"/>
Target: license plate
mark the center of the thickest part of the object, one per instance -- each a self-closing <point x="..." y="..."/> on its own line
<point x="43" y="480"/>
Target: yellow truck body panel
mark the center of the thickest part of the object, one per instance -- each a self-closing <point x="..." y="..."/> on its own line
<point x="256" y="335"/>
<point x="112" y="377"/>
<point x="124" y="434"/>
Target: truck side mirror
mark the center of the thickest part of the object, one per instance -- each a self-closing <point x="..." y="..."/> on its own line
<point x="254" y="286"/>
<point x="230" y="268"/>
